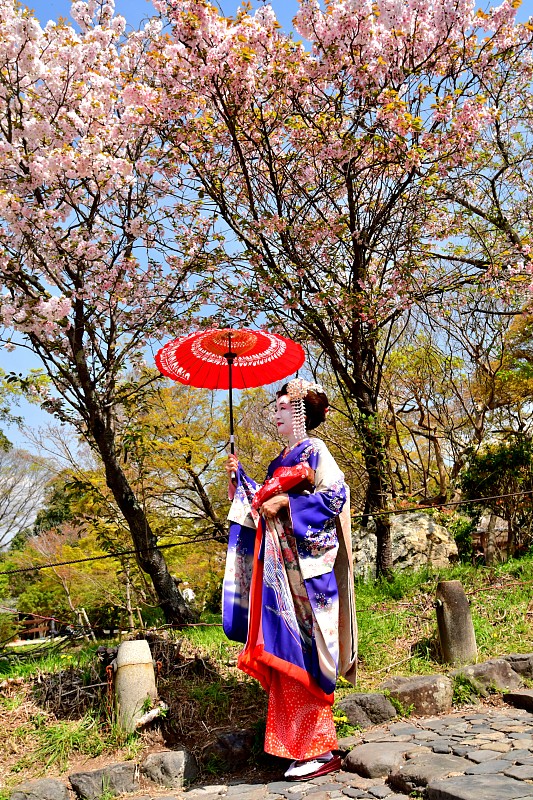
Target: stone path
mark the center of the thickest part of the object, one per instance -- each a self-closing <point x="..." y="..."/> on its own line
<point x="484" y="754"/>
<point x="475" y="755"/>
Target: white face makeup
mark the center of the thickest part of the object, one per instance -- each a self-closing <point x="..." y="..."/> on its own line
<point x="283" y="416"/>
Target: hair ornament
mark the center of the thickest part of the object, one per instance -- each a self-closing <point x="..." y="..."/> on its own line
<point x="298" y="388"/>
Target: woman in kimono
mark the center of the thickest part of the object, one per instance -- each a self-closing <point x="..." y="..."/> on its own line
<point x="288" y="587"/>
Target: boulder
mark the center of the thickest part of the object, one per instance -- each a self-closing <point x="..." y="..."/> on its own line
<point x="118" y="778"/>
<point x="417" y="541"/>
<point x="231" y="748"/>
<point x="496" y="673"/>
<point x="420" y="770"/>
<point x="171" y="768"/>
<point x="43" y="789"/>
<point x="426" y="695"/>
<point x="521" y="664"/>
<point x="521" y="699"/>
<point x="376" y="760"/>
<point x="367" y="709"/>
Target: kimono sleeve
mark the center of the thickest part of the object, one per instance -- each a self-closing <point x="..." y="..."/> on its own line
<point x="313" y="516"/>
<point x="239" y="559"/>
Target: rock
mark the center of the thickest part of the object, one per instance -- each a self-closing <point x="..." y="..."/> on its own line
<point x="379" y="791"/>
<point x="420" y="770"/>
<point x="43" y="789"/>
<point x="417" y="541"/>
<point x="170" y="768"/>
<point x="367" y="709"/>
<point x="521" y="699"/>
<point x="231" y="748"/>
<point x="375" y="760"/>
<point x="425" y="694"/>
<point x="208" y="791"/>
<point x="454" y="621"/>
<point x="479" y="756"/>
<point x="347" y="742"/>
<point x="118" y="778"/>
<point x="524" y="772"/>
<point x="478" y="787"/>
<point x="496" y="673"/>
<point x="488" y="767"/>
<point x="522" y="664"/>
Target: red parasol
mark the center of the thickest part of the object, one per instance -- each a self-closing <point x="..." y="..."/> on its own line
<point x="223" y="358"/>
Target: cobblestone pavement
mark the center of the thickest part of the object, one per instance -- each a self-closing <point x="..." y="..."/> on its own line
<point x="474" y="755"/>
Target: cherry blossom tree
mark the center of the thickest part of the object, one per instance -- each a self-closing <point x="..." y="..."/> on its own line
<point x="97" y="257"/>
<point x="342" y="172"/>
<point x="23" y="479"/>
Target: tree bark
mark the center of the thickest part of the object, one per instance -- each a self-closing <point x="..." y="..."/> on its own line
<point x="149" y="557"/>
<point x="490" y="541"/>
<point x="375" y="459"/>
<point x="98" y="413"/>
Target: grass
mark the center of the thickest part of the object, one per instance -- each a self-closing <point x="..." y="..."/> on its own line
<point x="398" y="627"/>
<point x="207" y="694"/>
<point x="21" y="663"/>
<point x="465" y="691"/>
<point x="56" y="742"/>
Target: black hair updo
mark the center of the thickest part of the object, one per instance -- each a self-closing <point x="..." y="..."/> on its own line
<point x="316" y="407"/>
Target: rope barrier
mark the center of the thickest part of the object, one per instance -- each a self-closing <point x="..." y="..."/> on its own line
<point x="38" y="567"/>
<point x="360" y="515"/>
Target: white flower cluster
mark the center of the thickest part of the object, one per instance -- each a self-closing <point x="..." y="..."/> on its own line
<point x="298" y="388"/>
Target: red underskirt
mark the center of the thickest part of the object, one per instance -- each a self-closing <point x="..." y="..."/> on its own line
<point x="299" y="720"/>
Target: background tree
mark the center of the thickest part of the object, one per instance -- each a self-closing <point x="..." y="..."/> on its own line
<point x="502" y="473"/>
<point x="23" y="478"/>
<point x="94" y="263"/>
<point x="341" y="171"/>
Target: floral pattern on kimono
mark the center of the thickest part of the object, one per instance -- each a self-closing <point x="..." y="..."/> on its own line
<point x="298" y="629"/>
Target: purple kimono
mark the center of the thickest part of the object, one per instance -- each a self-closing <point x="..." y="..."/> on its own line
<point x="300" y="591"/>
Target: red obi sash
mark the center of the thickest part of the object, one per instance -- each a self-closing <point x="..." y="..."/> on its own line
<point x="300" y="477"/>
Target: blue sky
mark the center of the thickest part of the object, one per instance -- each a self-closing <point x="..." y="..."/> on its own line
<point x="134" y="11"/>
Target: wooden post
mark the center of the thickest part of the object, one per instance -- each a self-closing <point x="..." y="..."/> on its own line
<point x="454" y="620"/>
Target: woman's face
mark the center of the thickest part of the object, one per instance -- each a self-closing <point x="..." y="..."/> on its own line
<point x="283" y="416"/>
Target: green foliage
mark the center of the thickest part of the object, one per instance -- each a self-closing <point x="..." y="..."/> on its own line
<point x="107" y="794"/>
<point x="212" y="596"/>
<point x="9" y="626"/>
<point x="462" y="528"/>
<point x="465" y="691"/>
<point x="401" y="710"/>
<point x="19" y="540"/>
<point x="499" y="472"/>
<point x="57" y="742"/>
<point x="58" y="506"/>
<point x="213" y="699"/>
<point x="400" y="634"/>
<point x="52" y="661"/>
<point x="214" y="765"/>
<point x="343" y="726"/>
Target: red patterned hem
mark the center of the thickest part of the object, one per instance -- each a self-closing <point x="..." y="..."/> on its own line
<point x="299" y="725"/>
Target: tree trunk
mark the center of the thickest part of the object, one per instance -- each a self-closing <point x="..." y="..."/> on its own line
<point x="131" y="622"/>
<point x="149" y="557"/>
<point x="511" y="543"/>
<point x="490" y="541"/>
<point x="375" y="458"/>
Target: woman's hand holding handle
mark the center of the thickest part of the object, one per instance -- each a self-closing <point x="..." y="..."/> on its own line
<point x="231" y="466"/>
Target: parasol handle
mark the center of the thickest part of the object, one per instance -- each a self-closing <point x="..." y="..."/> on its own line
<point x="230" y="357"/>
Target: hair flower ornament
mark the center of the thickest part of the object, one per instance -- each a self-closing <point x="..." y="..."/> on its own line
<point x="297" y="390"/>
